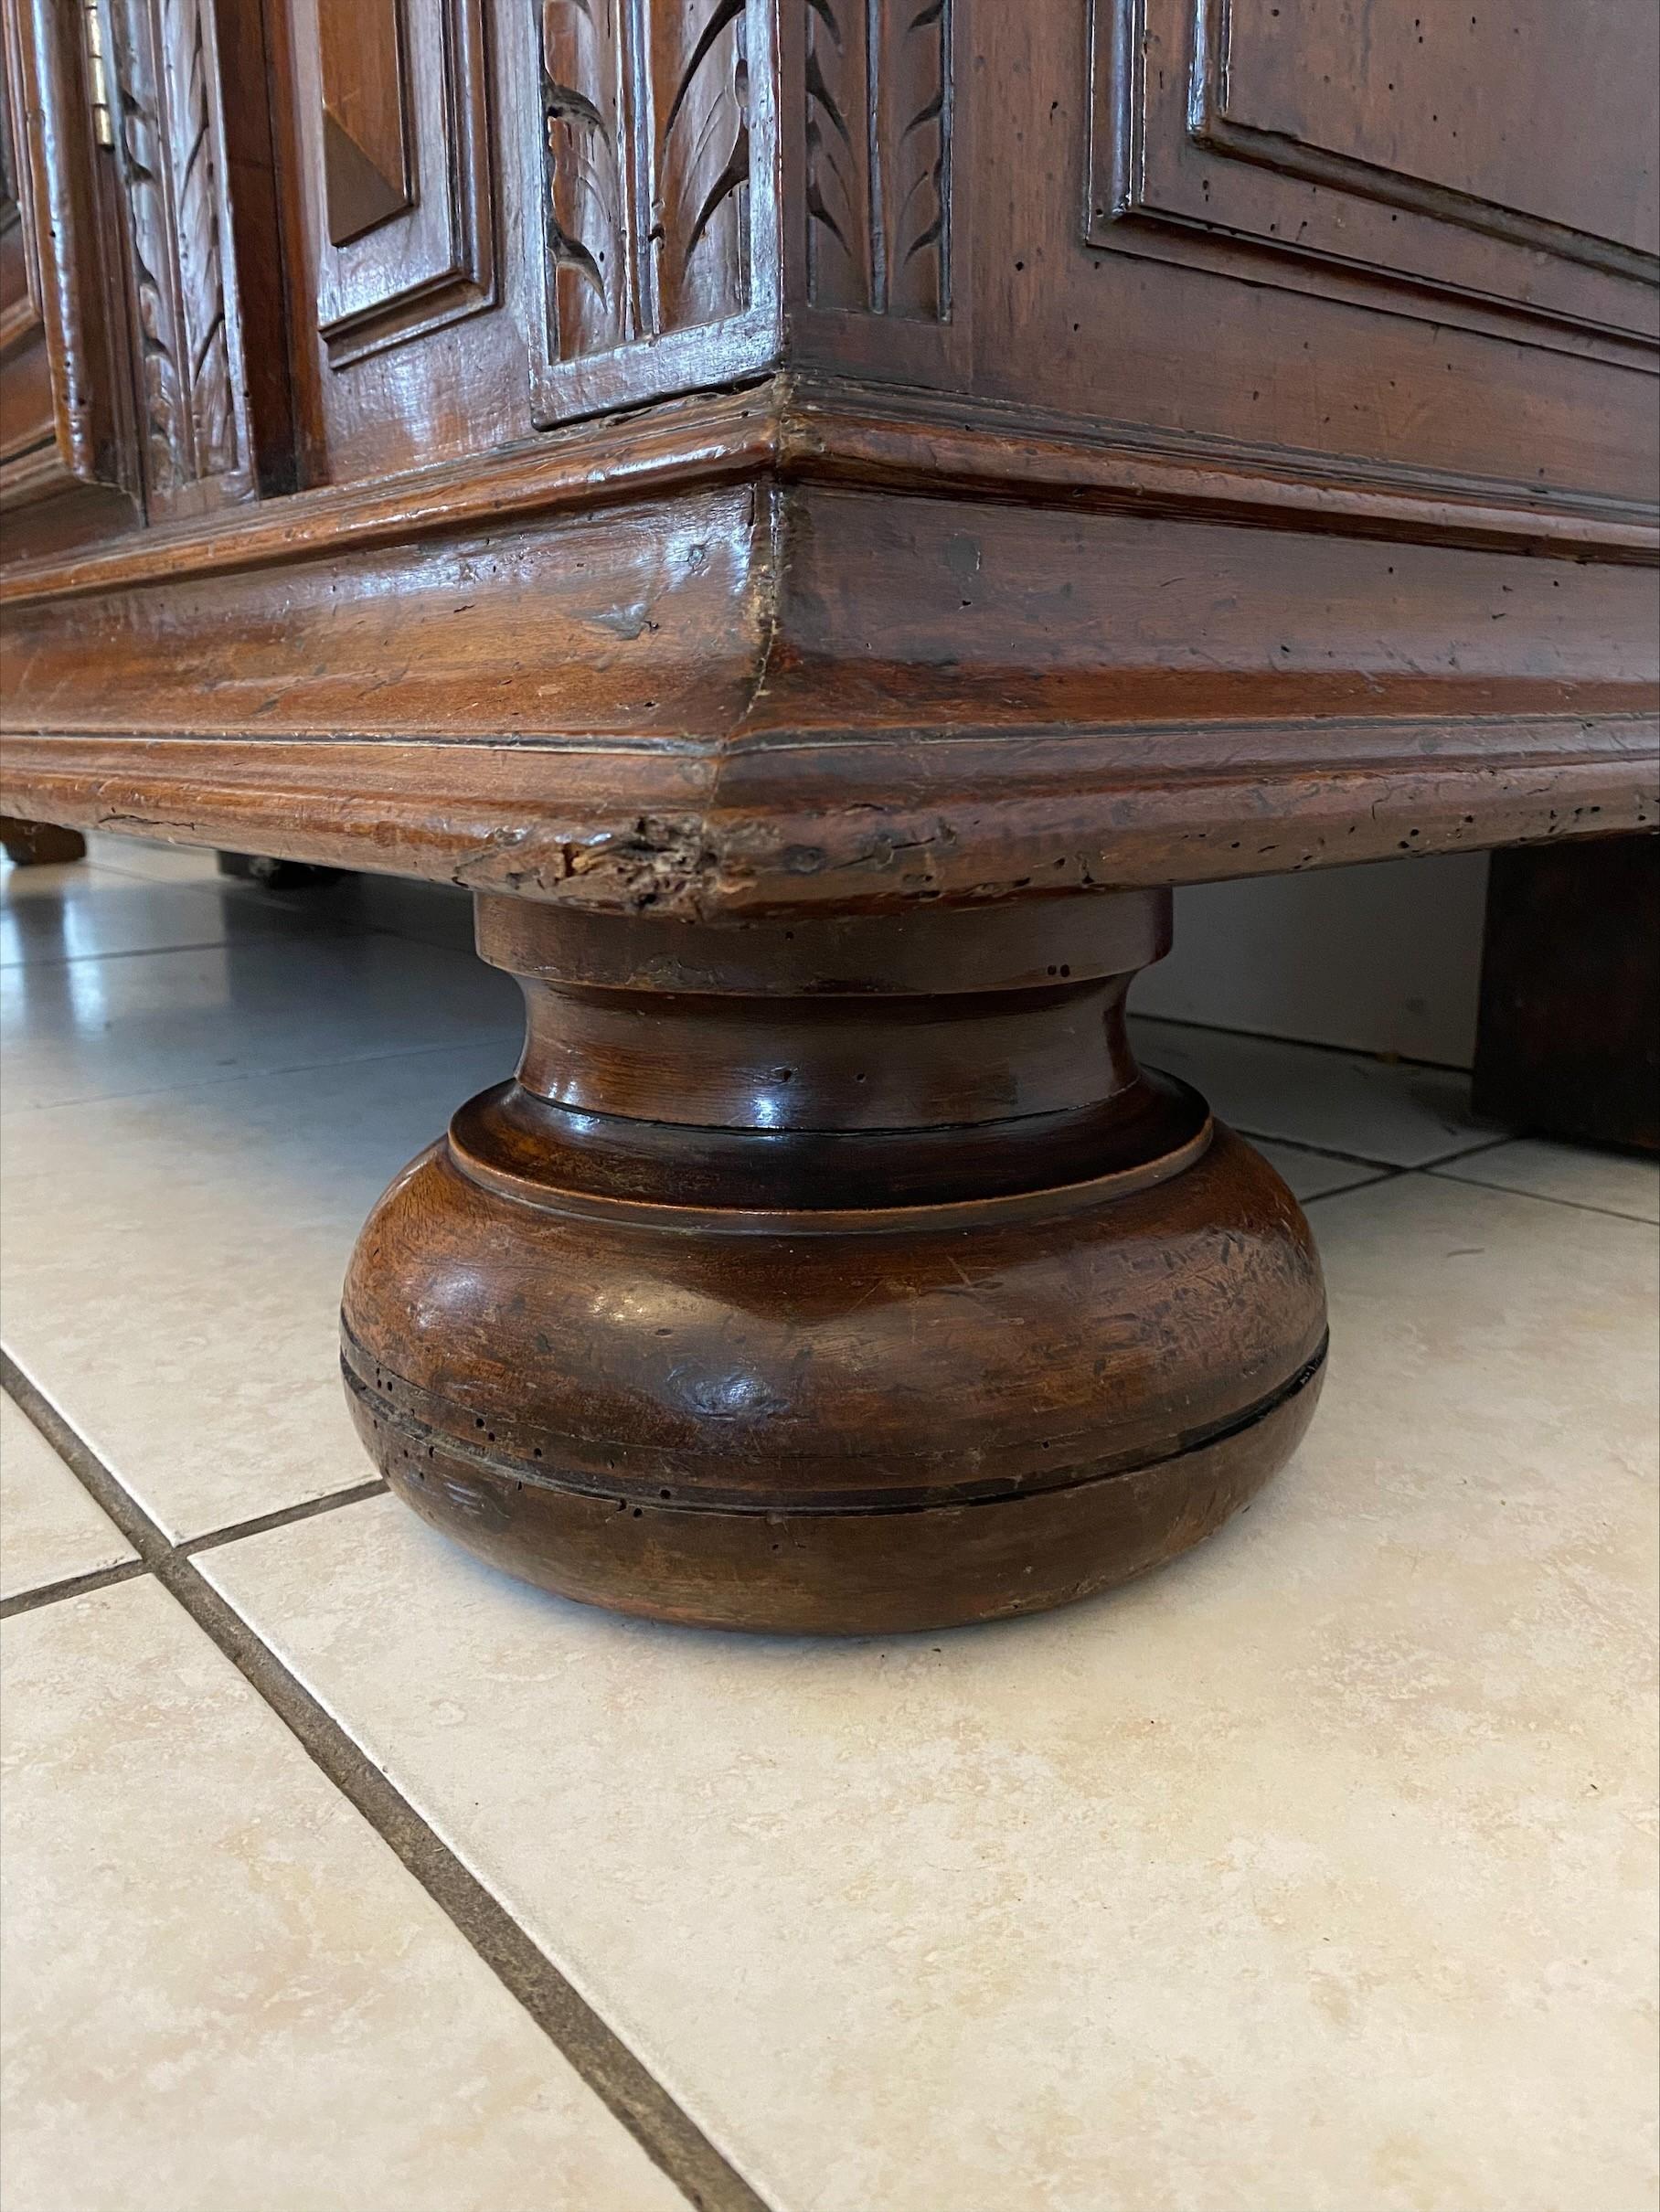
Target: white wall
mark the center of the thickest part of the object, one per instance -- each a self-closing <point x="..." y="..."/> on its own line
<point x="1382" y="959"/>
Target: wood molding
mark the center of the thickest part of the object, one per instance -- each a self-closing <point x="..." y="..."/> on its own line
<point x="822" y="429"/>
<point x="695" y="442"/>
<point x="81" y="437"/>
<point x="695" y="837"/>
<point x="917" y="441"/>
<point x="753" y="670"/>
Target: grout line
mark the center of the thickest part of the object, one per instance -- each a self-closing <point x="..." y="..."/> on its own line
<point x="70" y="1586"/>
<point x="622" y="2082"/>
<point x="34" y="959"/>
<point x="1338" y="1190"/>
<point x="307" y="1510"/>
<point x="1349" y="1159"/>
<point x="1361" y="1159"/>
<point x="1545" y="1197"/>
<point x="1383" y="1175"/>
<point x="1466" y="1152"/>
<point x="1305" y="1043"/>
<point x="1321" y="1152"/>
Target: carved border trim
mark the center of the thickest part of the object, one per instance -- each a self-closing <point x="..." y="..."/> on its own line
<point x="170" y="162"/>
<point x="828" y="430"/>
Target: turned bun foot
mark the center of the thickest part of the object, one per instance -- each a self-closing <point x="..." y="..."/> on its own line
<point x="839" y="1276"/>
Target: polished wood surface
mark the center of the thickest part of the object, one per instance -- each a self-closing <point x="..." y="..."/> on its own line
<point x="948" y="471"/>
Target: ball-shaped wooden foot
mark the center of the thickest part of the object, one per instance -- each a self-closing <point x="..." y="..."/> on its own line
<point x="916" y="1307"/>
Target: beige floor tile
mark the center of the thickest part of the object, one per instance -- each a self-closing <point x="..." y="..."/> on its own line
<point x="1578" y="1175"/>
<point x="222" y="1991"/>
<point x="82" y="1029"/>
<point x="1395" y="1113"/>
<point x="49" y="1527"/>
<point x="182" y="1310"/>
<point x="1312" y="1174"/>
<point x="1312" y="1875"/>
<point x="83" y="912"/>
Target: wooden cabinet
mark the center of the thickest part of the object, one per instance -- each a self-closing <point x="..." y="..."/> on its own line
<point x="799" y="504"/>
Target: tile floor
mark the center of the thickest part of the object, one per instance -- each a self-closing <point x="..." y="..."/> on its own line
<point x="1312" y="1875"/>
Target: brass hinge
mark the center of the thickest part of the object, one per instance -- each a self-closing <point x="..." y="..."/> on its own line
<point x="103" y="122"/>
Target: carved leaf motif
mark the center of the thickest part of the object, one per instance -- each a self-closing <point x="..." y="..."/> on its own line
<point x="839" y="232"/>
<point x="914" y="153"/>
<point x="699" y="74"/>
<point x="168" y="175"/>
<point x="206" y="363"/>
<point x="877" y="135"/>
<point x="144" y="160"/>
<point x="583" y="148"/>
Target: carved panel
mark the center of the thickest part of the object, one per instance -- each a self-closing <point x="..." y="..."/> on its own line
<point x="879" y="97"/>
<point x="1490" y="112"/>
<point x="658" y="146"/>
<point x="1436" y="163"/>
<point x="396" y="94"/>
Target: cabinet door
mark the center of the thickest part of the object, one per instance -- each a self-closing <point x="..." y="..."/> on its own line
<point x="66" y="418"/>
<point x="121" y="366"/>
